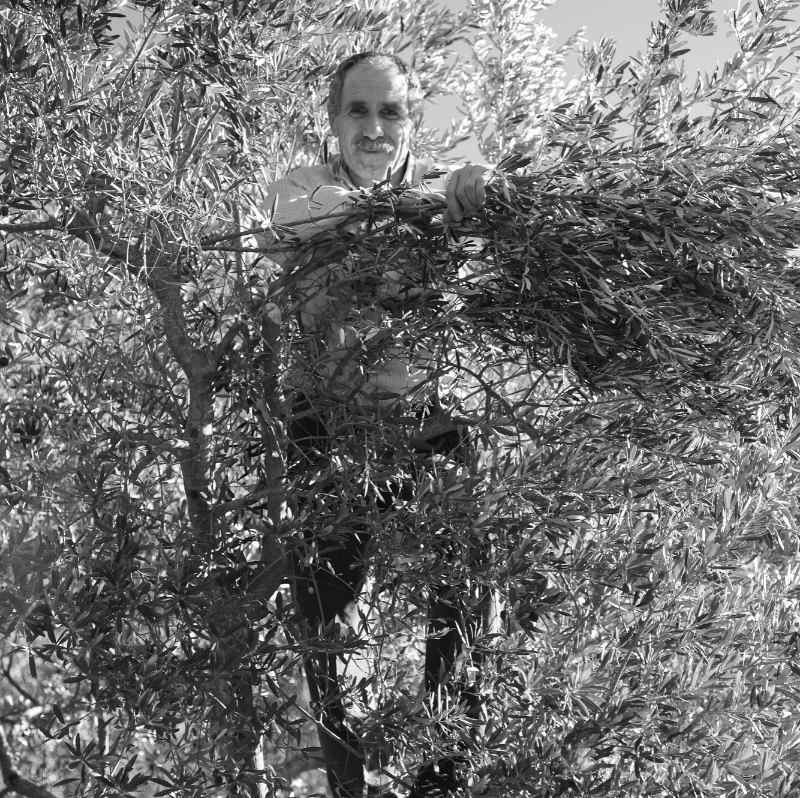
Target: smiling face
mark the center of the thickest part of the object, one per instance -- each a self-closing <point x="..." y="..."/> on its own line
<point x="373" y="125"/>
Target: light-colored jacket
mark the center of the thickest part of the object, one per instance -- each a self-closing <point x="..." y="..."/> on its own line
<point x="358" y="347"/>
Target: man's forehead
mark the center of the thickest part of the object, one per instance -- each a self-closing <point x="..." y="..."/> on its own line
<point x="382" y="82"/>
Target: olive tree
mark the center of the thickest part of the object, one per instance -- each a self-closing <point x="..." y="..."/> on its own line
<point x="617" y="334"/>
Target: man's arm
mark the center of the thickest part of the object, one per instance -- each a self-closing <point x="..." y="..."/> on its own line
<point x="308" y="204"/>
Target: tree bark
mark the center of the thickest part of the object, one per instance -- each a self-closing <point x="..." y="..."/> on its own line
<point x="14" y="781"/>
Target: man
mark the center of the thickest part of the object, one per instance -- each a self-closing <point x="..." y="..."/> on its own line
<point x="374" y="107"/>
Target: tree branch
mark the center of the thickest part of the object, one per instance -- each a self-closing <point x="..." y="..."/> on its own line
<point x="225" y="344"/>
<point x="272" y="422"/>
<point x="14" y="781"/>
<point x="199" y="366"/>
<point x="235" y="505"/>
<point x="88" y="230"/>
<point x="436" y="424"/>
<point x="410" y="213"/>
<point x="85" y="228"/>
<point x="208" y="242"/>
<point x="30" y="227"/>
<point x="19" y="688"/>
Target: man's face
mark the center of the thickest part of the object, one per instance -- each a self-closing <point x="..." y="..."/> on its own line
<point x="373" y="126"/>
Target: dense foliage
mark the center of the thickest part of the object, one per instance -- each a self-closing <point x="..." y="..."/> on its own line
<point x="618" y="331"/>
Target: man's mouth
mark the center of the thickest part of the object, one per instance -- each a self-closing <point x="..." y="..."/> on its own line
<point x="374" y="145"/>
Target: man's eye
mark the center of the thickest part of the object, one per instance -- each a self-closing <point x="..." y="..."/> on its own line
<point x="391" y="113"/>
<point x="357" y="111"/>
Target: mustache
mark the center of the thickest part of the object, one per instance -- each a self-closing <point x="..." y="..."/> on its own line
<point x="375" y="145"/>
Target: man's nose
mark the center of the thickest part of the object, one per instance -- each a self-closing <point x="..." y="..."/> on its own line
<point x="373" y="129"/>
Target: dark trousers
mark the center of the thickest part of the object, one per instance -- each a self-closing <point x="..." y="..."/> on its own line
<point x="328" y="575"/>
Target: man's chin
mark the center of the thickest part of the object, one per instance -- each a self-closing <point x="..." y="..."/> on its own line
<point x="376" y="169"/>
<point x="371" y="167"/>
<point x="375" y="160"/>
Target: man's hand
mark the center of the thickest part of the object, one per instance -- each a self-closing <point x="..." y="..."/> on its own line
<point x="466" y="191"/>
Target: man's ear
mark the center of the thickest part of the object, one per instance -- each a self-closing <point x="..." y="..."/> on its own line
<point x="415" y="128"/>
<point x="334" y="126"/>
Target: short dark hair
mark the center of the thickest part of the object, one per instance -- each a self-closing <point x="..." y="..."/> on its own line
<point x="375" y="58"/>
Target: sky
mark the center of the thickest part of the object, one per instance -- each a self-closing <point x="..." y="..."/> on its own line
<point x="626" y="21"/>
<point x="629" y="22"/>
